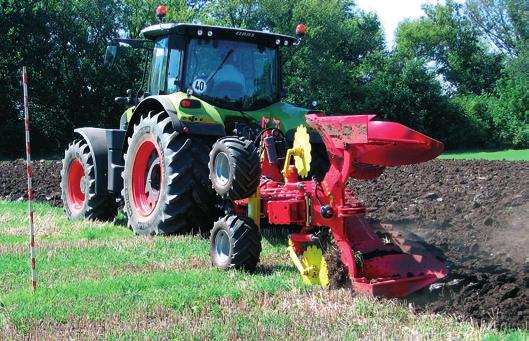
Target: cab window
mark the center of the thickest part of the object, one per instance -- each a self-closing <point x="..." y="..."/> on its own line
<point x="159" y="67"/>
<point x="173" y="76"/>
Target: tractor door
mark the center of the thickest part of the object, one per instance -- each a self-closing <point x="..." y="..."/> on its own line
<point x="166" y="66"/>
<point x="159" y="66"/>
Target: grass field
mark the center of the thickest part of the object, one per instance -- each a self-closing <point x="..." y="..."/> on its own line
<point x="101" y="281"/>
<point x="510" y="155"/>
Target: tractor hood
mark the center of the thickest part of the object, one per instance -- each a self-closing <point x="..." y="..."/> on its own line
<point x="287" y="116"/>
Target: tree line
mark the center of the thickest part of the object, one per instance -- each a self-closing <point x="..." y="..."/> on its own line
<point x="460" y="73"/>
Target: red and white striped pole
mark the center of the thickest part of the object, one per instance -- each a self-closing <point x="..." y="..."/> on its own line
<point x="29" y="171"/>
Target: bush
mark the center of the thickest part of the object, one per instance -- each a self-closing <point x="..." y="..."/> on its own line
<point x="522" y="137"/>
<point x="511" y="109"/>
<point x="475" y="126"/>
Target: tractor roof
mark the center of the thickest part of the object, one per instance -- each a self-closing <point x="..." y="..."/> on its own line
<point x="217" y="32"/>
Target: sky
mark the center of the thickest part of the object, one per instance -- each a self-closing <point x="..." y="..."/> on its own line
<point x="391" y="12"/>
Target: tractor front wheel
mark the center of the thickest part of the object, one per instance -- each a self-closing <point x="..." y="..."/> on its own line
<point x="235" y="242"/>
<point x="78" y="185"/>
<point x="234" y="167"/>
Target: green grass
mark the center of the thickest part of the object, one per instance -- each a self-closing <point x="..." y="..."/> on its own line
<point x="509" y="155"/>
<point x="101" y="281"/>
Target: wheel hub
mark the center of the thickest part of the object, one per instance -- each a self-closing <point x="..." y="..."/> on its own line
<point x="83" y="184"/>
<point x="76" y="186"/>
<point x="222" y="168"/>
<point x="152" y="180"/>
<point x="146" y="178"/>
<point x="222" y="246"/>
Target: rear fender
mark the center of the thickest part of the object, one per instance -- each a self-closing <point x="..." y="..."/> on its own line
<point x="105" y="145"/>
<point x="164" y="103"/>
<point x="96" y="138"/>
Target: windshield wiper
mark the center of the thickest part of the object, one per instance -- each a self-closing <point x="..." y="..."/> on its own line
<point x="220" y="66"/>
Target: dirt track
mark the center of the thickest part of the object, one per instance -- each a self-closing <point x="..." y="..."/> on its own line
<point x="472" y="214"/>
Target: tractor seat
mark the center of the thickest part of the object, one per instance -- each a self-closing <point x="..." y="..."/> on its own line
<point x="229" y="82"/>
<point x="230" y="89"/>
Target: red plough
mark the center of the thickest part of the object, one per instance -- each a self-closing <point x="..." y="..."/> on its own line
<point x="358" y="148"/>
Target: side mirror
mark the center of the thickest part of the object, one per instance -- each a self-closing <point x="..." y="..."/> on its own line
<point x="121" y="100"/>
<point x="110" y="55"/>
<point x="126" y="100"/>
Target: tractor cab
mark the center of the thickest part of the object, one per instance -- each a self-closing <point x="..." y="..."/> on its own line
<point x="228" y="68"/>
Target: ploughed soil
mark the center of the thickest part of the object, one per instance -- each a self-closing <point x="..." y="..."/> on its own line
<point x="46" y="181"/>
<point x="474" y="215"/>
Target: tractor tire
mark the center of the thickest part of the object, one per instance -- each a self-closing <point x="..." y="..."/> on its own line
<point x="234" y="168"/>
<point x="235" y="242"/>
<point x="166" y="189"/>
<point x="78" y="186"/>
<point x="320" y="163"/>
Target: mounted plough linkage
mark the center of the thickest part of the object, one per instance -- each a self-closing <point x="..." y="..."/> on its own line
<point x="358" y="148"/>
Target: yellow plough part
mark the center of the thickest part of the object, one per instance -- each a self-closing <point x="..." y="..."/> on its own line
<point x="302" y="141"/>
<point x="301" y="152"/>
<point x="254" y="208"/>
<point x="312" y="265"/>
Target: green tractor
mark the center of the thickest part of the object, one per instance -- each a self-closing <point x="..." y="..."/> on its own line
<point x="205" y="82"/>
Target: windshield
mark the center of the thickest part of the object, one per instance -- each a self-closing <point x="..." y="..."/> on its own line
<point x="232" y="74"/>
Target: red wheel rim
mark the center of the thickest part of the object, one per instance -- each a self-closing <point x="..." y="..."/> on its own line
<point x="146" y="178"/>
<point x="76" y="184"/>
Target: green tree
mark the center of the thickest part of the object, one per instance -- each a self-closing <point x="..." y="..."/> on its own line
<point x="504" y="22"/>
<point x="338" y="41"/>
<point x="446" y="39"/>
<point x="235" y="13"/>
<point x="137" y="14"/>
<point x="343" y="63"/>
<point x="406" y="91"/>
<point x="69" y="86"/>
<point x="475" y="124"/>
<point x="511" y="107"/>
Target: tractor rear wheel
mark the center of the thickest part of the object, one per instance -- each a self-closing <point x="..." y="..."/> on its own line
<point x="234" y="167"/>
<point x="235" y="242"/>
<point x="165" y="184"/>
<point x="78" y="185"/>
